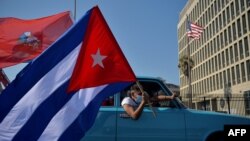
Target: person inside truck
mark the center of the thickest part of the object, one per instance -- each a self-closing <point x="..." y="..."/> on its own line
<point x="136" y="100"/>
<point x="160" y="99"/>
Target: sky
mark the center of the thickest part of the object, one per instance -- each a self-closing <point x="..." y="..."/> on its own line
<point x="146" y="30"/>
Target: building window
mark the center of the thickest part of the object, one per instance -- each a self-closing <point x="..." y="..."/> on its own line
<point x="221" y="40"/>
<point x="205" y="49"/>
<point x="214" y="45"/>
<point x="221" y="83"/>
<point x="248" y="14"/>
<point x="220" y="22"/>
<point x="215" y="7"/>
<point x="203" y="70"/>
<point x="213" y="68"/>
<point x="236" y="54"/>
<point x="219" y="59"/>
<point x="203" y="20"/>
<point x="208" y="13"/>
<point x="244" y="24"/>
<point x="216" y="24"/>
<point x="248" y="70"/>
<point x="209" y="50"/>
<point x="224" y="77"/>
<point x="212" y="10"/>
<point x="208" y="87"/>
<point x="223" y="59"/>
<point x="215" y="62"/>
<point x="232" y="10"/>
<point x="246" y="47"/>
<point x="224" y="17"/>
<point x="227" y="57"/>
<point x="238" y="73"/>
<point x="243" y="73"/>
<point x="228" y="15"/>
<point x="206" y="68"/>
<point x="225" y="36"/>
<point x="233" y="75"/>
<point x="241" y="50"/>
<point x="218" y="2"/>
<point x="242" y="5"/>
<point x="231" y="54"/>
<point x="228" y="76"/>
<point x="248" y="3"/>
<point x="237" y="8"/>
<point x="247" y="102"/>
<point x="234" y="31"/>
<point x="211" y="84"/>
<point x="212" y="48"/>
<point x="206" y="19"/>
<point x="203" y="53"/>
<point x="213" y="28"/>
<point x="218" y="42"/>
<point x="217" y="80"/>
<point x="214" y="85"/>
<point x="209" y="66"/>
<point x="229" y="34"/>
<point x="239" y="28"/>
<point x="223" y="3"/>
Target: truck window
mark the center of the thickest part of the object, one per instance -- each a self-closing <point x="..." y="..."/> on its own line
<point x="109" y="101"/>
<point x="153" y="89"/>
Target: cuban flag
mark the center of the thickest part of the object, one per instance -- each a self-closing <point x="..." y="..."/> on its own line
<point x="57" y="96"/>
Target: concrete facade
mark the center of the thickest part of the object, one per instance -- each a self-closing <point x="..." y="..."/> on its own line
<point x="221" y="55"/>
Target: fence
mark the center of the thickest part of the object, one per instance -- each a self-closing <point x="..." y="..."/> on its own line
<point x="235" y="104"/>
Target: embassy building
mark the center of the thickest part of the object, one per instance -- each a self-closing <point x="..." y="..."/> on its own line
<point x="220" y="76"/>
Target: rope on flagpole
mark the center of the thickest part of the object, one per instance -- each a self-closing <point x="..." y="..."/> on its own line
<point x="189" y="71"/>
<point x="143" y="92"/>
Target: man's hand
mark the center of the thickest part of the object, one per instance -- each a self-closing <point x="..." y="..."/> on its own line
<point x="173" y="95"/>
<point x="145" y="97"/>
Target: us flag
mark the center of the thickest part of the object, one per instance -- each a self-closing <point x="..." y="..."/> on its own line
<point x="194" y="30"/>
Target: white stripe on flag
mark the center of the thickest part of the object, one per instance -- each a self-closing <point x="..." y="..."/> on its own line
<point x="25" y="107"/>
<point x="63" y="119"/>
<point x="196" y="26"/>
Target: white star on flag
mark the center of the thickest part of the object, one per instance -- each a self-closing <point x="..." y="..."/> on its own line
<point x="98" y="58"/>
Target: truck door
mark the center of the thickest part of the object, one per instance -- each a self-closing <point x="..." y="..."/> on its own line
<point x="104" y="126"/>
<point x="168" y="125"/>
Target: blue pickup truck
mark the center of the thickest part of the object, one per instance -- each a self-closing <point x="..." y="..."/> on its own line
<point x="173" y="121"/>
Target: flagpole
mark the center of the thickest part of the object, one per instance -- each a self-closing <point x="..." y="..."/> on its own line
<point x="4" y="79"/>
<point x="75" y="10"/>
<point x="189" y="73"/>
<point x="142" y="91"/>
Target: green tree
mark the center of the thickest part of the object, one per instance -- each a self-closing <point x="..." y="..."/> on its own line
<point x="183" y="64"/>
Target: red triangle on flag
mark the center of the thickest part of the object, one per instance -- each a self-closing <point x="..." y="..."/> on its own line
<point x="100" y="60"/>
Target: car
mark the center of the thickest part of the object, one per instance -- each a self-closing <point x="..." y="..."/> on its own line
<point x="173" y="121"/>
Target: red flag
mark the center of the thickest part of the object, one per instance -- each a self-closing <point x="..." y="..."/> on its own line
<point x="22" y="40"/>
<point x="100" y="60"/>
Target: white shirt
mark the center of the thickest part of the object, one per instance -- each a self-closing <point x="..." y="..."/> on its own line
<point x="129" y="101"/>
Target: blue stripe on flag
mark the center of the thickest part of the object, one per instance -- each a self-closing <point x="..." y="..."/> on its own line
<point x="36" y="69"/>
<point x="44" y="113"/>
<point x="87" y="117"/>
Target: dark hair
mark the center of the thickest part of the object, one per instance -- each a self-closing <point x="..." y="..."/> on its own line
<point x="135" y="87"/>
